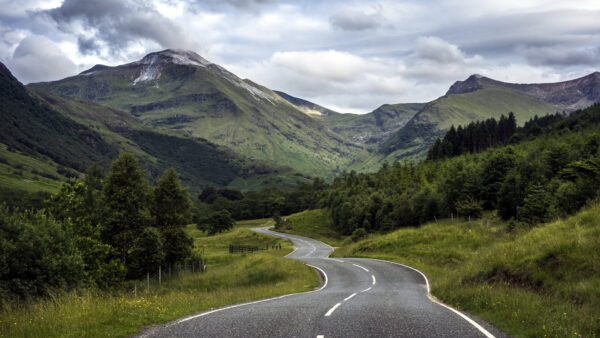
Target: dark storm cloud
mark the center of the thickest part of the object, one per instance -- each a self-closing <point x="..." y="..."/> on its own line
<point x="117" y="24"/>
<point x="557" y="56"/>
<point x="355" y="20"/>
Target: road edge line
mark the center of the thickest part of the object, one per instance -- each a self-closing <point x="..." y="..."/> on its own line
<point x="434" y="300"/>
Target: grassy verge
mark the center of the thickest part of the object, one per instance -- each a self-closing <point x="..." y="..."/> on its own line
<point x="315" y="224"/>
<point x="535" y="282"/>
<point x="229" y="279"/>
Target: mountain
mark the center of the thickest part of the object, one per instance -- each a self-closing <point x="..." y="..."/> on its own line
<point x="479" y="98"/>
<point x="570" y="95"/>
<point x="32" y="128"/>
<point x="45" y="138"/>
<point x="370" y="128"/>
<point x="181" y="91"/>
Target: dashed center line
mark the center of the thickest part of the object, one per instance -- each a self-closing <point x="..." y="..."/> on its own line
<point x="367" y="289"/>
<point x="320" y="336"/>
<point x="373" y="279"/>
<point x="332" y="309"/>
<point x="362" y="267"/>
<point x="349" y="297"/>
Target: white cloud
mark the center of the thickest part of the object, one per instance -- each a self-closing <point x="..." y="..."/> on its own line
<point x="36" y="58"/>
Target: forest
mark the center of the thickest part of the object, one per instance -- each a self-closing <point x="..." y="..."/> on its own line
<point x="95" y="233"/>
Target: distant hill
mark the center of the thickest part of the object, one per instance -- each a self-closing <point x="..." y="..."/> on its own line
<point x="479" y="98"/>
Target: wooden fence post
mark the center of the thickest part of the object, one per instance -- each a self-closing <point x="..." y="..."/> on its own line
<point x="159" y="276"/>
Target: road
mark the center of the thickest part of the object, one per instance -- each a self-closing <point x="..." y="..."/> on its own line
<point x="359" y="298"/>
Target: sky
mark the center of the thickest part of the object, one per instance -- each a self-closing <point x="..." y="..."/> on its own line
<point x="349" y="56"/>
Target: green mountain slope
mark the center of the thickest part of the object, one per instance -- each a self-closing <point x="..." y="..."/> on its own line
<point x="199" y="162"/>
<point x="32" y="127"/>
<point x="181" y="91"/>
<point x="479" y="98"/>
<point x="371" y="128"/>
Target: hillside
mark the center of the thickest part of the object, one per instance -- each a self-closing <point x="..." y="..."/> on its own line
<point x="181" y="91"/>
<point x="47" y="137"/>
<point x="479" y="98"/>
<point x="370" y="129"/>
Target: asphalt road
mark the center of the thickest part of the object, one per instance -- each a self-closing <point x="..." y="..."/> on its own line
<point x="359" y="298"/>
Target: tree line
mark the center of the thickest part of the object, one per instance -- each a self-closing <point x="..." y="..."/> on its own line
<point x="95" y="232"/>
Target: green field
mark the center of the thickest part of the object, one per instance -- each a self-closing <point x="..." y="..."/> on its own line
<point x="230" y="278"/>
<point x="532" y="282"/>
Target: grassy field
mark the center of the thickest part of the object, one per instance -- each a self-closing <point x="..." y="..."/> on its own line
<point x="539" y="282"/>
<point x="315" y="224"/>
<point x="230" y="278"/>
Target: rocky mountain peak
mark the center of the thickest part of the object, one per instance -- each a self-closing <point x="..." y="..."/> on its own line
<point x="471" y="84"/>
<point x="176" y="56"/>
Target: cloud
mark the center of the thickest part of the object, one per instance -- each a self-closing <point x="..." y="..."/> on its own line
<point x="355" y="20"/>
<point x="436" y="60"/>
<point x="118" y="24"/>
<point x="36" y="58"/>
<point x="329" y="65"/>
<point x="561" y="57"/>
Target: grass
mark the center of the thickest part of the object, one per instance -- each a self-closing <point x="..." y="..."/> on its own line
<point x="537" y="282"/>
<point x="315" y="224"/>
<point x="21" y="172"/>
<point x="229" y="279"/>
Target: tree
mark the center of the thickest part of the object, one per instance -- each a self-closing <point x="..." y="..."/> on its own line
<point x="37" y="255"/>
<point x="217" y="222"/>
<point x="70" y="205"/>
<point x="171" y="211"/>
<point x="171" y="204"/>
<point x="147" y="253"/>
<point x="125" y="204"/>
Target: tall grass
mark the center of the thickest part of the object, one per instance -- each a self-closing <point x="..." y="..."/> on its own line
<point x="229" y="279"/>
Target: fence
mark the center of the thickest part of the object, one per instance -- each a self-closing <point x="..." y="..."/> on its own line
<point x="246" y="248"/>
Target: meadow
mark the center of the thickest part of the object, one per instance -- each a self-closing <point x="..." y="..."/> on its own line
<point x="229" y="279"/>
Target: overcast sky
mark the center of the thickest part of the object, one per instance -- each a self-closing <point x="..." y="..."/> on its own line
<point x="350" y="56"/>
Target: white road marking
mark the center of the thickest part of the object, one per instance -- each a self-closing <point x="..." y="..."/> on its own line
<point x="373" y="279"/>
<point x="320" y="336"/>
<point x="469" y="320"/>
<point x="349" y="297"/>
<point x="258" y="301"/>
<point x="332" y="309"/>
<point x="362" y="267"/>
<point x="337" y="260"/>
<point x="367" y="289"/>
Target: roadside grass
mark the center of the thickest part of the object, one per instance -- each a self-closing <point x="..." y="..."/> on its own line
<point x="315" y="224"/>
<point x="532" y="282"/>
<point x="229" y="279"/>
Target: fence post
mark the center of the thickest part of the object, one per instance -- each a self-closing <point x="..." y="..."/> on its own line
<point x="135" y="289"/>
<point x="159" y="276"/>
<point x="148" y="282"/>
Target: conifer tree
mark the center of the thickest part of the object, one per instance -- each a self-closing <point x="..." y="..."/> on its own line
<point x="125" y="198"/>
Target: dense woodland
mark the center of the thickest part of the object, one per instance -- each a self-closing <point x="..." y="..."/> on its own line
<point x="95" y="233"/>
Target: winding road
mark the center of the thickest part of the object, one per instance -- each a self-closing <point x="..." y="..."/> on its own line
<point x="358" y="298"/>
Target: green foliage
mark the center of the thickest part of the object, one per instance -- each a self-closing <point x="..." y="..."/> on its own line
<point x="37" y="255"/>
<point x="217" y="222"/>
<point x="473" y="138"/>
<point x="125" y="204"/>
<point x="358" y="234"/>
<point x="469" y="208"/>
<point x="549" y="175"/>
<point x="171" y="203"/>
<point x="147" y="253"/>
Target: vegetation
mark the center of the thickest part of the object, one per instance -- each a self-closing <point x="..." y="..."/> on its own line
<point x="228" y="279"/>
<point x="531" y="282"/>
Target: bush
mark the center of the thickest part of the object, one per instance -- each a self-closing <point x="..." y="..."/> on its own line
<point x="359" y="234"/>
<point x="37" y="255"/>
<point x="469" y="208"/>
